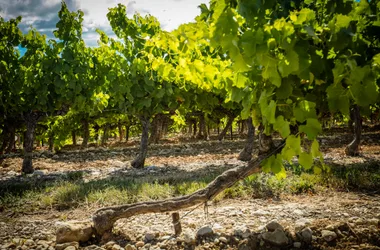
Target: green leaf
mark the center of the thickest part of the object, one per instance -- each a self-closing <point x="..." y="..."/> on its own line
<point x="292" y="148"/>
<point x="285" y="90"/>
<point x="306" y="160"/>
<point x="270" y="112"/>
<point x="342" y="21"/>
<point x="237" y="94"/>
<point x="315" y="149"/>
<point x="376" y="60"/>
<point x="311" y="129"/>
<point x="282" y="126"/>
<point x="289" y="64"/>
<point x="267" y="164"/>
<point x="365" y="93"/>
<point x="317" y="170"/>
<point x="305" y="110"/>
<point x="338" y="99"/>
<point x="240" y="81"/>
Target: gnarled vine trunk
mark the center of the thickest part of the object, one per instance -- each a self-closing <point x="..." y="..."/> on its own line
<point x="121" y="131"/>
<point x="140" y="159"/>
<point x="74" y="137"/>
<point x="127" y="132"/>
<point x="31" y="119"/>
<point x="202" y="133"/>
<point x="105" y="134"/>
<point x="51" y="142"/>
<point x="157" y="128"/>
<point x="246" y="153"/>
<point x="104" y="218"/>
<point x="353" y="148"/>
<point x="265" y="141"/>
<point x="228" y="126"/>
<point x="86" y="132"/>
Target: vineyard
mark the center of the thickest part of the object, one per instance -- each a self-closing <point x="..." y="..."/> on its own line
<point x="254" y="127"/>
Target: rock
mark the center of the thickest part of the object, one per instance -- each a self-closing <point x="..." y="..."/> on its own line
<point x="140" y="244"/>
<point x="188" y="237"/>
<point x="277" y="238"/>
<point x="149" y="236"/>
<point x="328" y="235"/>
<point x="297" y="244"/>
<point x="298" y="212"/>
<point x="29" y="243"/>
<point x="70" y="248"/>
<point x="79" y="231"/>
<point x="205" y="231"/>
<point x="306" y="235"/>
<point x="260" y="212"/>
<point x="302" y="223"/>
<point x="130" y="247"/>
<point x="374" y="222"/>
<point x="116" y="247"/>
<point x="65" y="245"/>
<point x="93" y="247"/>
<point x="55" y="157"/>
<point x="10" y="245"/>
<point x="217" y="228"/>
<point x="223" y="239"/>
<point x="242" y="231"/>
<point x="273" y="225"/>
<point x="39" y="172"/>
<point x="44" y="242"/>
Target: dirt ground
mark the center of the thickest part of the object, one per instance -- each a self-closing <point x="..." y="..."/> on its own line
<point x="354" y="216"/>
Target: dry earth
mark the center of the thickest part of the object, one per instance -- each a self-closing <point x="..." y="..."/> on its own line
<point x="328" y="220"/>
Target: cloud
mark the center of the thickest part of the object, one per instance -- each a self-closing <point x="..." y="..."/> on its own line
<point x="43" y="14"/>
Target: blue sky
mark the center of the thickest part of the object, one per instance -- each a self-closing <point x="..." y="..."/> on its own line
<point x="42" y="14"/>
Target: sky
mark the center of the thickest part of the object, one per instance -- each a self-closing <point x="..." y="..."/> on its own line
<point x="43" y="14"/>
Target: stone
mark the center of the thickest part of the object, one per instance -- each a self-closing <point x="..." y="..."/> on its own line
<point x="302" y="223"/>
<point x="205" y="231"/>
<point x="328" y="235"/>
<point x="298" y="212"/>
<point x="29" y="242"/>
<point x="130" y="247"/>
<point x="260" y="212"/>
<point x="140" y="244"/>
<point x="188" y="237"/>
<point x="374" y="222"/>
<point x="223" y="239"/>
<point x="277" y="238"/>
<point x="10" y="245"/>
<point x="217" y="228"/>
<point x="297" y="244"/>
<point x="116" y="247"/>
<point x="149" y="236"/>
<point x="55" y="157"/>
<point x="306" y="235"/>
<point x="80" y="231"/>
<point x="65" y="245"/>
<point x="242" y="231"/>
<point x="70" y="248"/>
<point x="273" y="225"/>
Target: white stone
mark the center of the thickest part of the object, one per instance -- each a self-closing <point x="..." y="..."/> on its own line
<point x="328" y="235"/>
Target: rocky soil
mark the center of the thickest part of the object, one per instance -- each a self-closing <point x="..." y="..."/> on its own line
<point x="328" y="220"/>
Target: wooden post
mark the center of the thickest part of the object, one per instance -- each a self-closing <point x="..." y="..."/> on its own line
<point x="176" y="224"/>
